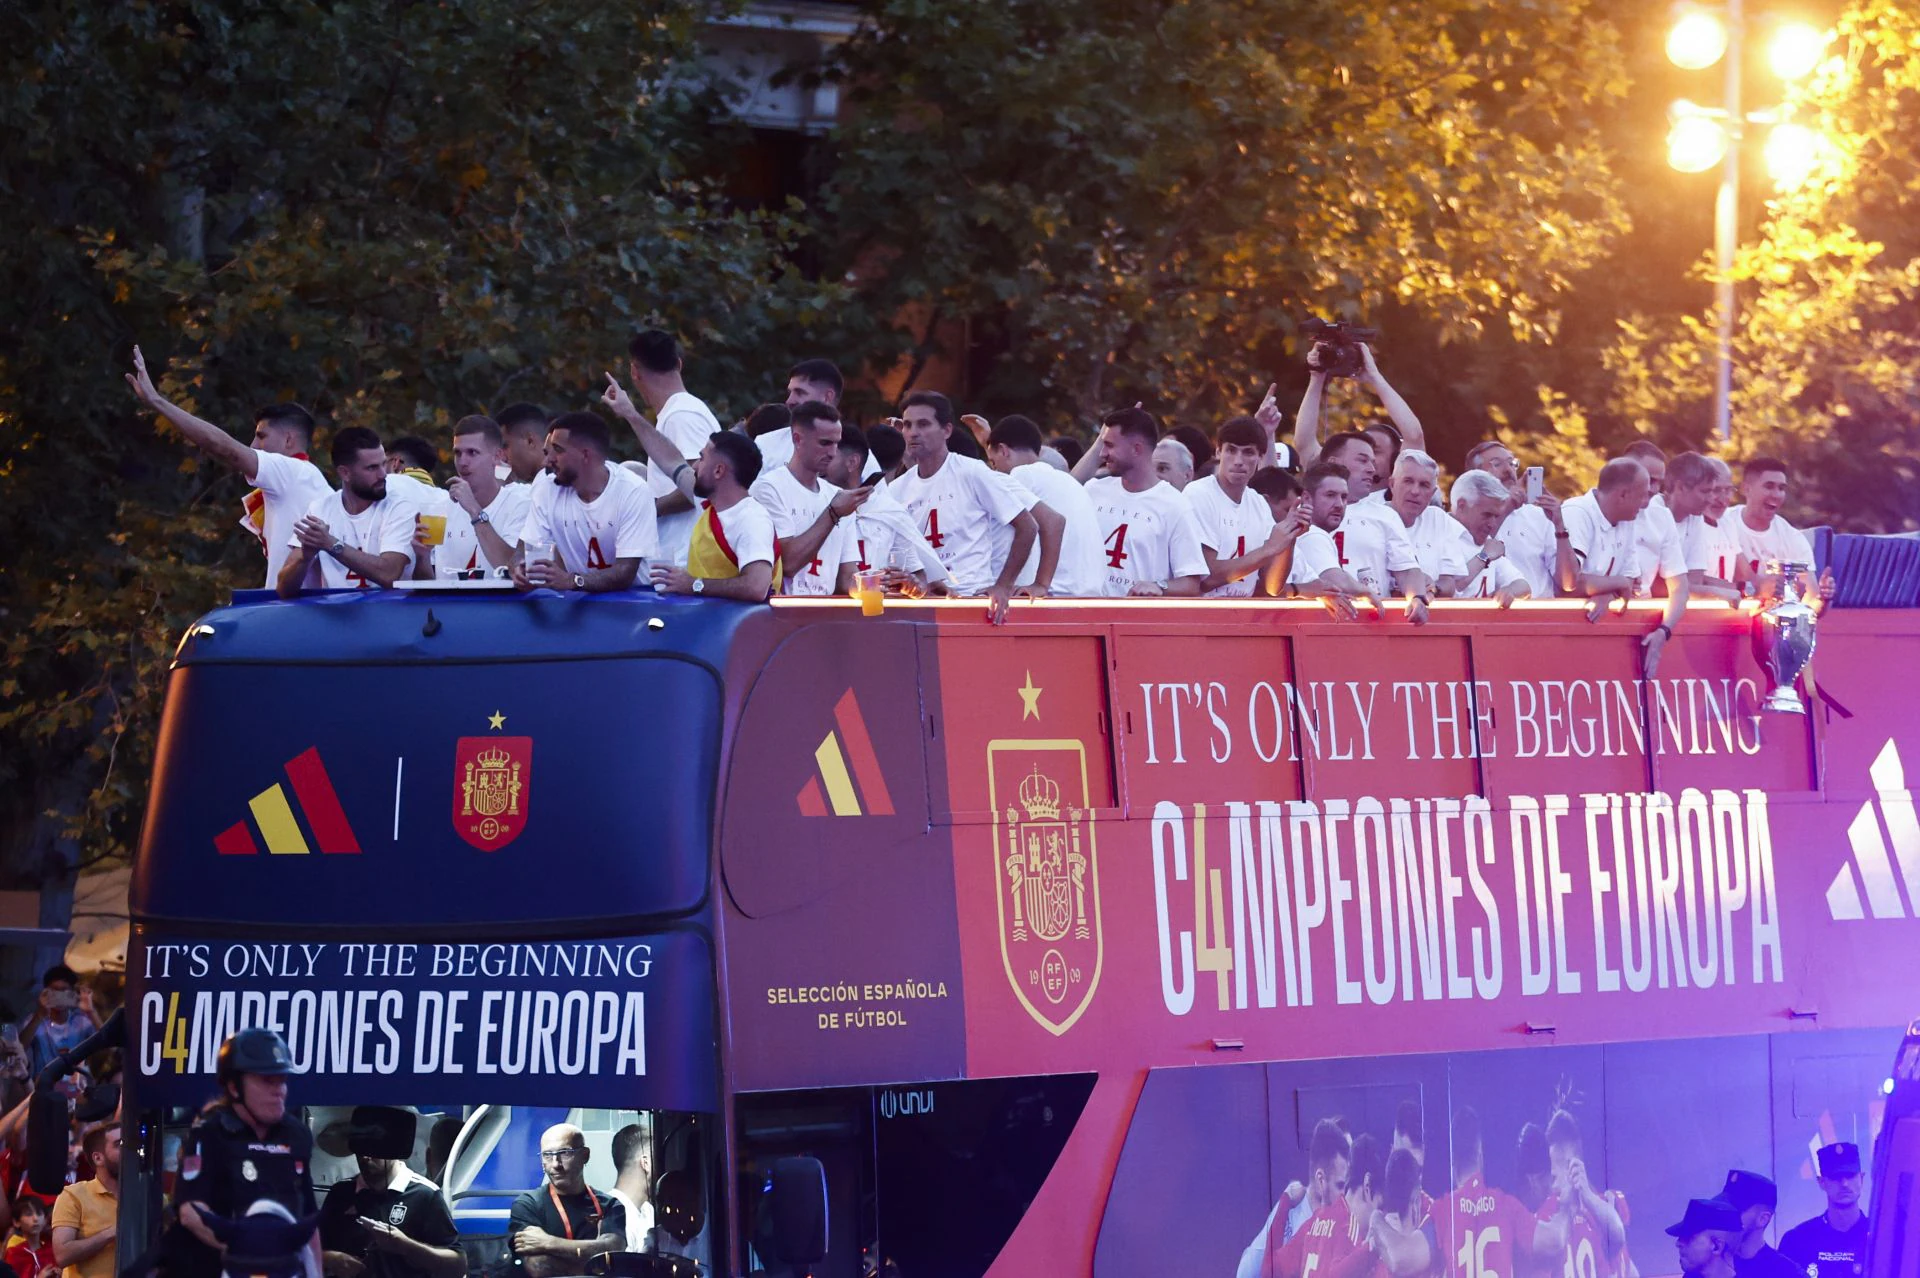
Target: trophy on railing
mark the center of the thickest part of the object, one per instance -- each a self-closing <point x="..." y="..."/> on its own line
<point x="1783" y="637"/>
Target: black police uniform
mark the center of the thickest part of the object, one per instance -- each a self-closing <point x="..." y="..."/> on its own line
<point x="1818" y="1250"/>
<point x="226" y="1167"/>
<point x="415" y="1208"/>
<point x="1766" y="1263"/>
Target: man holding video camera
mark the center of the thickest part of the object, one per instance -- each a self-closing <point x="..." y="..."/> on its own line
<point x="387" y="1222"/>
<point x="1342" y="350"/>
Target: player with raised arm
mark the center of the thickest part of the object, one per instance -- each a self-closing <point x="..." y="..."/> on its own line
<point x="1306" y="424"/>
<point x="286" y="483"/>
<point x="1596" y="1236"/>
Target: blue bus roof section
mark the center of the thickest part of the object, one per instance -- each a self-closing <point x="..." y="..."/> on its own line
<point x="403" y="626"/>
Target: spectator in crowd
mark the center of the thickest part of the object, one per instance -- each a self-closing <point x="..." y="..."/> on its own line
<point x="811" y="381"/>
<point x="1317" y="571"/>
<point x="1173" y="463"/>
<point x="1834" y="1243"/>
<point x="1704" y="1237"/>
<point x="1515" y="1241"/>
<point x="1329" y="1156"/>
<point x="247" y="1148"/>
<point x="1238" y="535"/>
<point x="654" y="362"/>
<point x="355" y="538"/>
<point x="590" y="523"/>
<point x="1604" y="537"/>
<point x="1013" y="449"/>
<point x="563" y="1226"/>
<point x="1755" y="1198"/>
<point x="63" y="1018"/>
<point x="1070" y="449"/>
<point x="524" y="428"/>
<point x="86" y="1215"/>
<point x="1486" y="572"/>
<point x="1434" y="536"/>
<point x="1594" y="1219"/>
<point x="387" y="1222"/>
<point x="731" y="553"/>
<point x="1306" y="425"/>
<point x="804" y="507"/>
<point x="1199" y="448"/>
<point x="1152" y="543"/>
<point x="1281" y="490"/>
<point x="286" y="484"/>
<point x="958" y="503"/>
<point x="1767" y="540"/>
<point x="484" y="525"/>
<point x="30" y="1250"/>
<point x="1372" y="540"/>
<point x="633" y="1180"/>
<point x="1530" y="530"/>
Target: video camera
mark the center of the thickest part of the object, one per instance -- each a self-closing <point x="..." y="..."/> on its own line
<point x="1339" y="345"/>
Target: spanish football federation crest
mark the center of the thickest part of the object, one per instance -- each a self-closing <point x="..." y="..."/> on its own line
<point x="491" y="776"/>
<point x="1047" y="877"/>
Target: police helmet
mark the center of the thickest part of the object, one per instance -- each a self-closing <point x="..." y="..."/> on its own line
<point x="253" y="1051"/>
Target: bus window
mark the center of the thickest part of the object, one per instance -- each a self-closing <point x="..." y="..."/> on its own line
<point x="898" y="1160"/>
<point x="466" y="1178"/>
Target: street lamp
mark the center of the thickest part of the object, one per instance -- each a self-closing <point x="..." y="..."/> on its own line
<point x="1701" y="137"/>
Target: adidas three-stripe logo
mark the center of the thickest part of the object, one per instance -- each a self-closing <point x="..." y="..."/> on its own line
<point x="1880" y="840"/>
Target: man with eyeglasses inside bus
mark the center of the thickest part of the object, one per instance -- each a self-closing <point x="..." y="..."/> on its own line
<point x="563" y="1225"/>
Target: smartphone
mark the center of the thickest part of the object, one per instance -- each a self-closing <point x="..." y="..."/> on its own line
<point x="1536" y="483"/>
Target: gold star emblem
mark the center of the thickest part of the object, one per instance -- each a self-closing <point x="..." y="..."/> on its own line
<point x="1031" y="696"/>
<point x="496" y="721"/>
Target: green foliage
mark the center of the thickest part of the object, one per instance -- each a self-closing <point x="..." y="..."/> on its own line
<point x="1827" y="337"/>
<point x="395" y="213"/>
<point x="1138" y="200"/>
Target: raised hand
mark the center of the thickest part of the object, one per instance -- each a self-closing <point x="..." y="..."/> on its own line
<point x="142" y="383"/>
<point x="616" y="398"/>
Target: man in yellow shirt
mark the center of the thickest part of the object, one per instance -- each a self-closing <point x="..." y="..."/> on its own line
<point x="85" y="1214"/>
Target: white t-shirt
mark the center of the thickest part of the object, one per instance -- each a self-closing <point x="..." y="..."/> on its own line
<point x="1779" y="543"/>
<point x="1313" y="555"/>
<point x="957" y="509"/>
<point x="1373" y="545"/>
<point x="688" y="423"/>
<point x="383" y="527"/>
<point x="776" y="449"/>
<point x="1489" y="581"/>
<point x="1230" y="529"/>
<point x="285" y="489"/>
<point x="748" y="530"/>
<point x="1662" y="550"/>
<point x="618" y="524"/>
<point x="1600" y="548"/>
<point x="1436" y="538"/>
<point x="460" y="549"/>
<point x="1528" y="536"/>
<point x="1717" y="546"/>
<point x="1081" y="572"/>
<point x="1146" y="536"/>
<point x="793" y="508"/>
<point x="883" y="535"/>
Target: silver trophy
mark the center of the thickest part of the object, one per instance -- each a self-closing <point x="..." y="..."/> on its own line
<point x="1783" y="637"/>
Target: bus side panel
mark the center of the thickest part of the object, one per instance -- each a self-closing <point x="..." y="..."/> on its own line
<point x="1059" y="1231"/>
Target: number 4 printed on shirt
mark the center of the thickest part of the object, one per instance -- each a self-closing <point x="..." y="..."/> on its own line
<point x="934" y="538"/>
<point x="595" y="559"/>
<point x="1117" y="547"/>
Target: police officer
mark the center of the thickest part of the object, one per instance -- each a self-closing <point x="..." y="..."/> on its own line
<point x="1704" y="1238"/>
<point x="1755" y="1198"/>
<point x="1834" y="1243"/>
<point x="243" y="1149"/>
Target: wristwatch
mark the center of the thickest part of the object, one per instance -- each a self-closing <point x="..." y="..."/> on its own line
<point x="699" y="586"/>
<point x="579" y="581"/>
<point x="482" y="518"/>
<point x="337" y="546"/>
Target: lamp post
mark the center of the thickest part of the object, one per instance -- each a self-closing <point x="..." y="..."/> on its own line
<point x="1701" y="137"/>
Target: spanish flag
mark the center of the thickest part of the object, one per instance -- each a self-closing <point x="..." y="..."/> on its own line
<point x="709" y="555"/>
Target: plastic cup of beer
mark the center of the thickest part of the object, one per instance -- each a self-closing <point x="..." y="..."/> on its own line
<point x="435" y="528"/>
<point x="866" y="588"/>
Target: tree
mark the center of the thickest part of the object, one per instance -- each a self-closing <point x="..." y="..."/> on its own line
<point x="396" y="213"/>
<point x="1827" y="336"/>
<point x="1137" y="200"/>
